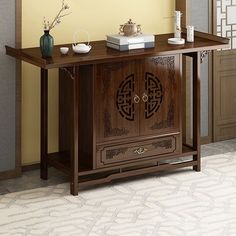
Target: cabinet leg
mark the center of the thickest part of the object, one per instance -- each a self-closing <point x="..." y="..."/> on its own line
<point x="44" y="125"/>
<point x="75" y="143"/>
<point x="198" y="166"/>
<point x="196" y="110"/>
<point x="43" y="171"/>
<point x="74" y="190"/>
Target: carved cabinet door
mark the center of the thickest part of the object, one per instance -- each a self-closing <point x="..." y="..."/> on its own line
<point x="116" y="100"/>
<point x="160" y="95"/>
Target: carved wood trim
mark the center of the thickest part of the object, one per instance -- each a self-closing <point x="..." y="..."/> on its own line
<point x="203" y="54"/>
<point x="167" y="144"/>
<point x="124" y="101"/>
<point x="154" y="89"/>
<point x="169" y="61"/>
<point x="169" y="122"/>
<point x="71" y="71"/>
<point x="110" y="154"/>
<point x="108" y="69"/>
<point x="109" y="131"/>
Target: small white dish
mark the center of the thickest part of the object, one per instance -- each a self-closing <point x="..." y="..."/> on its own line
<point x="176" y="41"/>
<point x="64" y="50"/>
<point x="81" y="48"/>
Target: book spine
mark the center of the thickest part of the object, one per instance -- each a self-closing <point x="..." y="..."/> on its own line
<point x="136" y="46"/>
<point x="143" y="39"/>
<point x="113" y="40"/>
<point x="118" y="47"/>
<point x="131" y="46"/>
<point x="121" y="40"/>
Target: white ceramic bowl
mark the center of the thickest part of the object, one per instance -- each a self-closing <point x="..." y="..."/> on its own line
<point x="64" y="50"/>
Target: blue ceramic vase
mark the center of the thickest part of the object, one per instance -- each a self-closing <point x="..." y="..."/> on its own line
<point x="46" y="44"/>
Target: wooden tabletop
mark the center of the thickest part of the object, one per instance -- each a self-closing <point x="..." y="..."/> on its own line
<point x="100" y="53"/>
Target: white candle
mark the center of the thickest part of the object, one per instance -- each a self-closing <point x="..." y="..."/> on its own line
<point x="178" y="19"/>
<point x="177" y="24"/>
<point x="190" y="33"/>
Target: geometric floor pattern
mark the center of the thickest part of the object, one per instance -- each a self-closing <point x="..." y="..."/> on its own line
<point x="177" y="203"/>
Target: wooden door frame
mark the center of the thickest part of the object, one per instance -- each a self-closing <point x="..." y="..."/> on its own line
<point x="18" y="44"/>
<point x="220" y="121"/>
<point x="210" y="80"/>
<point x="183" y="6"/>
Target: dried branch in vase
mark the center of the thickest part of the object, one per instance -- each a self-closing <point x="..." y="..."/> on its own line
<point x="57" y="20"/>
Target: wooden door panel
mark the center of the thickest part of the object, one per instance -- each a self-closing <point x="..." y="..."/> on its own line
<point x="160" y="93"/>
<point x="115" y="90"/>
<point x="227" y="93"/>
<point x="224" y="101"/>
<point x="225" y="60"/>
<point x="224" y="73"/>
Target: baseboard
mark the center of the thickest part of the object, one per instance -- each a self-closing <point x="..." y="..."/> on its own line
<point x="206" y="140"/>
<point x="10" y="174"/>
<point x="35" y="166"/>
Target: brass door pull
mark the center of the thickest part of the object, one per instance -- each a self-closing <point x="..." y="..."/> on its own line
<point x="140" y="150"/>
<point x="145" y="97"/>
<point x="136" y="99"/>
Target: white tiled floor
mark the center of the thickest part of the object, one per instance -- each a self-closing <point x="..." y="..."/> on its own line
<point x="183" y="202"/>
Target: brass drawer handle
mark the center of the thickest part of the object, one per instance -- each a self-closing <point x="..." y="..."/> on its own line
<point x="140" y="150"/>
<point x="136" y="99"/>
<point x="145" y="97"/>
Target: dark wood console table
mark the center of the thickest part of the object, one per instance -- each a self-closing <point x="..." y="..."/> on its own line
<point x="120" y="112"/>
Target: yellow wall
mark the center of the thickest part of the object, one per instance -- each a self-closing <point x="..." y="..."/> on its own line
<point x="99" y="18"/>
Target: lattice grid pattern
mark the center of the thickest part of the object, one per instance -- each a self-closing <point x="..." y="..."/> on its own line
<point x="226" y="20"/>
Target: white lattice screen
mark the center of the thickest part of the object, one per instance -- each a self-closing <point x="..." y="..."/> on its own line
<point x="226" y="20"/>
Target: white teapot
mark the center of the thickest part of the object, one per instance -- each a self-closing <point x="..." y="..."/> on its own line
<point x="81" y="47"/>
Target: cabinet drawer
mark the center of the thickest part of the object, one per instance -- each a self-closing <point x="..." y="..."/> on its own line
<point x="121" y="154"/>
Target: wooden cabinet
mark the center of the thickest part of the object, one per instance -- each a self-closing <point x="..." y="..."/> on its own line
<point x="137" y="99"/>
<point x="120" y="112"/>
<point x="134" y="107"/>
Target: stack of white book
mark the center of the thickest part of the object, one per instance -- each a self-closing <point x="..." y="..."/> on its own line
<point x="125" y="43"/>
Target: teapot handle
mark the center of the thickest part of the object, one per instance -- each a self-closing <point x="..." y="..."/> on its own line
<point x="76" y="33"/>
